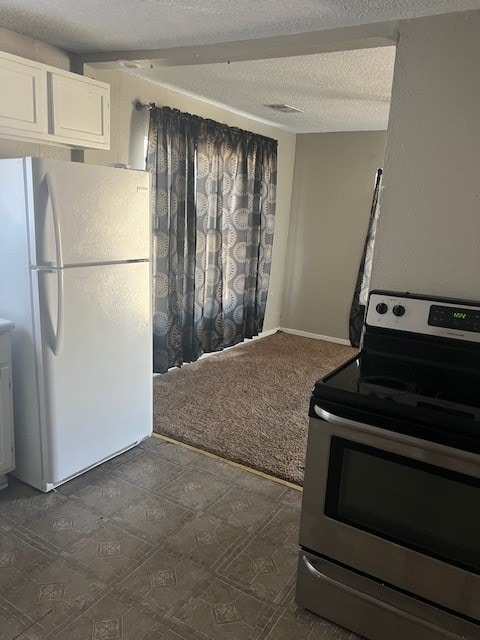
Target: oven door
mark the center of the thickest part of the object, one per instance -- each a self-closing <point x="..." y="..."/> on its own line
<point x="404" y="511"/>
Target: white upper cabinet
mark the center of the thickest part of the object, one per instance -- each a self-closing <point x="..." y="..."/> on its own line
<point x="80" y="109"/>
<point x="23" y="96"/>
<point x="39" y="103"/>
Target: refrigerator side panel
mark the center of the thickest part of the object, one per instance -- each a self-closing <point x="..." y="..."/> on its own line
<point x="94" y="214"/>
<point x="98" y="386"/>
<point x="19" y="303"/>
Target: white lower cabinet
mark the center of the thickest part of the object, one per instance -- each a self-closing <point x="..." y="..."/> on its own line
<point x="7" y="454"/>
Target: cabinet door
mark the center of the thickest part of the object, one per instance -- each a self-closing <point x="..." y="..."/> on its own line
<point x="80" y="109"/>
<point x="6" y="423"/>
<point x="23" y="96"/>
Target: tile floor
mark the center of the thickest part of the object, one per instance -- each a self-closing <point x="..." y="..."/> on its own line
<point x="161" y="543"/>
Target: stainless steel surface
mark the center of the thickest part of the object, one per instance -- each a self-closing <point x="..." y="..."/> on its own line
<point x="415" y="317"/>
<point x="309" y="564"/>
<point x="415" y="572"/>
<point x="371" y="609"/>
<point x="419" y="444"/>
<point x="390" y="520"/>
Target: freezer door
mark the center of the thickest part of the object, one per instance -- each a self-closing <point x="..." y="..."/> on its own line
<point x="86" y="214"/>
<point x="98" y="382"/>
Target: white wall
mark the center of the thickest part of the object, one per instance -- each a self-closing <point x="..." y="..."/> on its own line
<point x="332" y="196"/>
<point x="428" y="238"/>
<point x="26" y="47"/>
<point x="129" y="128"/>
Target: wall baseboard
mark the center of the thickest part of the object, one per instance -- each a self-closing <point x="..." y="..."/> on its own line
<point x="270" y="332"/>
<point x="315" y="336"/>
<point x="264" y="334"/>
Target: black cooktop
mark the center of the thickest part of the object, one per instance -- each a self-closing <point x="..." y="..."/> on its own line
<point x="425" y="399"/>
<point x="412" y="383"/>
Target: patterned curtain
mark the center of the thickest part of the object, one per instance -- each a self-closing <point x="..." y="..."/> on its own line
<point x="214" y="191"/>
<point x="171" y="160"/>
<point x="359" y="303"/>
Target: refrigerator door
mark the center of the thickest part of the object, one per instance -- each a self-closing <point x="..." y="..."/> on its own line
<point x="86" y="214"/>
<point x="98" y="388"/>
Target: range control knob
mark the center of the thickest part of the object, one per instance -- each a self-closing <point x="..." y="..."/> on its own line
<point x="398" y="310"/>
<point x="381" y="308"/>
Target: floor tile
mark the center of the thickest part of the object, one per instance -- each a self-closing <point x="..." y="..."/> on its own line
<point x="307" y="627"/>
<point x="293" y="497"/>
<point x="52" y="593"/>
<point x="64" y="523"/>
<point x="11" y="628"/>
<point x="162" y="580"/>
<point x="107" y="493"/>
<point x="282" y="528"/>
<point x="206" y="539"/>
<point x="19" y="502"/>
<point x="159" y="543"/>
<point x="17" y="558"/>
<point x="148" y="471"/>
<point x="196" y="489"/>
<point x="219" y="468"/>
<point x="110" y="550"/>
<point x="269" y="488"/>
<point x="171" y="452"/>
<point x="263" y="568"/>
<point x="223" y="612"/>
<point x="74" y="486"/>
<point x="110" y="619"/>
<point x="242" y="509"/>
<point x="154" y="516"/>
<point x="165" y="631"/>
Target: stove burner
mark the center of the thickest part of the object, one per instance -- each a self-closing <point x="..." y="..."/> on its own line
<point x="386" y="386"/>
<point x="459" y="396"/>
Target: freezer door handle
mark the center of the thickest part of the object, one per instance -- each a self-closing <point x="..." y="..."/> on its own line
<point x="57" y="346"/>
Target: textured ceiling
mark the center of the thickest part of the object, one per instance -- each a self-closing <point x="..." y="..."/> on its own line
<point x="342" y="91"/>
<point x="106" y="25"/>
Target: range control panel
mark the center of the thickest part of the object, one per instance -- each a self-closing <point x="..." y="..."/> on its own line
<point x="436" y="317"/>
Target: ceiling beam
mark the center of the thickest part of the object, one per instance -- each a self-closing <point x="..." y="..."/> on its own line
<point x="378" y="34"/>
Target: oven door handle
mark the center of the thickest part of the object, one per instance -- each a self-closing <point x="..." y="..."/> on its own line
<point x="319" y="575"/>
<point x="464" y="456"/>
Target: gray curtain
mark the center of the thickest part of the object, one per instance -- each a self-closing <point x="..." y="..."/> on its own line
<point x="214" y="191"/>
<point x="359" y="302"/>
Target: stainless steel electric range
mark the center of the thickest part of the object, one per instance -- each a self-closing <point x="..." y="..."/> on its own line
<point x="390" y="524"/>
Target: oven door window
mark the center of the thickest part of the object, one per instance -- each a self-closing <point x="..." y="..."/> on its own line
<point x="418" y="505"/>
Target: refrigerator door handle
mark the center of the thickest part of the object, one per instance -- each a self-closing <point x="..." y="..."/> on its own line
<point x="56" y="220"/>
<point x="57" y="347"/>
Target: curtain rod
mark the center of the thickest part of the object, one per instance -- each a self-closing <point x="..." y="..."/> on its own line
<point x="140" y="107"/>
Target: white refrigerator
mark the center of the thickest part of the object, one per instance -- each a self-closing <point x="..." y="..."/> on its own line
<point x="75" y="278"/>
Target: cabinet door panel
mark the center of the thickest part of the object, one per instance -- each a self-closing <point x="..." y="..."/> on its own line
<point x="79" y="109"/>
<point x="6" y="427"/>
<point x="23" y="96"/>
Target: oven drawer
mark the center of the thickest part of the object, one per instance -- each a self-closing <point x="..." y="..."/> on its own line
<point x="372" y="609"/>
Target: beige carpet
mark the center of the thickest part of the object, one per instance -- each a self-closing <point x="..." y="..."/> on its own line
<point x="248" y="404"/>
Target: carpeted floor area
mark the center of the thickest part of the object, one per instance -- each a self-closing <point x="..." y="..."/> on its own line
<point x="248" y="404"/>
